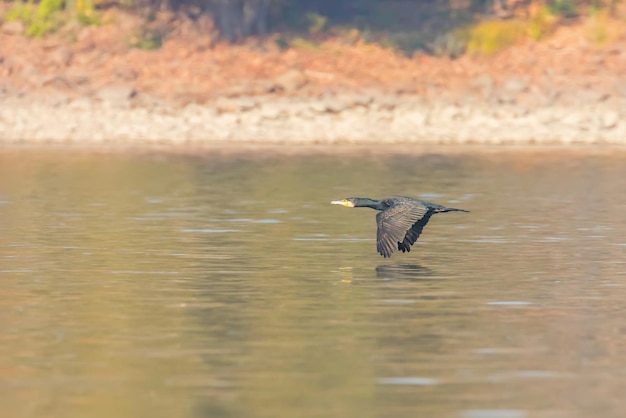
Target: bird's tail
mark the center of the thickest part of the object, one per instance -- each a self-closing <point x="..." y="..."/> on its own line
<point x="451" y="210"/>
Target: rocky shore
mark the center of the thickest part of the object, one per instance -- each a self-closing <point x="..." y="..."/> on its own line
<point x="119" y="114"/>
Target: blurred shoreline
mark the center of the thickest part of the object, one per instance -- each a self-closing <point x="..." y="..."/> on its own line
<point x="96" y="90"/>
<point x="349" y="118"/>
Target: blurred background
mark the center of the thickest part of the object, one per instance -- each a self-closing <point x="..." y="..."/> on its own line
<point x="250" y="69"/>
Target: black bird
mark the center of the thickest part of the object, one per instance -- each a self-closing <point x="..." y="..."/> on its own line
<point x="400" y="221"/>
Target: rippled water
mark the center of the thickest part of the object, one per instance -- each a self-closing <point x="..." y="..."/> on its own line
<point x="225" y="285"/>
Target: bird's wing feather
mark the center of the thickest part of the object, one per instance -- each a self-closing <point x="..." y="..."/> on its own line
<point x="394" y="223"/>
<point x="413" y="234"/>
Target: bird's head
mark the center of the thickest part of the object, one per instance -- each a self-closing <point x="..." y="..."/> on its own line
<point x="348" y="202"/>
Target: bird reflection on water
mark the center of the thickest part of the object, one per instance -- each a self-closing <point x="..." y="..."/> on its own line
<point x="410" y="272"/>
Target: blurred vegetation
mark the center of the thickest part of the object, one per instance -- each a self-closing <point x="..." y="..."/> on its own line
<point x="440" y="27"/>
<point x="38" y="19"/>
<point x="47" y="16"/>
<point x="543" y="23"/>
<point x="566" y="8"/>
<point x="146" y="39"/>
<point x="600" y="28"/>
<point x="493" y="36"/>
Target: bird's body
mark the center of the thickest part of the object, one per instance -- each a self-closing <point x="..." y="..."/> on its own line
<point x="400" y="221"/>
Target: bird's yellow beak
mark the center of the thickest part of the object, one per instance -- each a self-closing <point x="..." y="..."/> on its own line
<point x="343" y="202"/>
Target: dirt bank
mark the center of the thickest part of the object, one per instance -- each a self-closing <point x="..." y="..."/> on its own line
<point x="95" y="89"/>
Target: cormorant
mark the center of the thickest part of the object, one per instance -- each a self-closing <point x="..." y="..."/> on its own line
<point x="400" y="220"/>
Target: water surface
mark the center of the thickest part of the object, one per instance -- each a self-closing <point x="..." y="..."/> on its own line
<point x="225" y="285"/>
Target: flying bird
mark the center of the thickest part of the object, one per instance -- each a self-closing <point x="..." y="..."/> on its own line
<point x="400" y="221"/>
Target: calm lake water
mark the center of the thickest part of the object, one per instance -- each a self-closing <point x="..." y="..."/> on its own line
<point x="226" y="285"/>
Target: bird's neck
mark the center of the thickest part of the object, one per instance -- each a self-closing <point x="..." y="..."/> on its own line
<point x="369" y="203"/>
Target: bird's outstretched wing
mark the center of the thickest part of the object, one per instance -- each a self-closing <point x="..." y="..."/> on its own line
<point x="399" y="226"/>
<point x="413" y="234"/>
